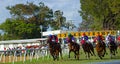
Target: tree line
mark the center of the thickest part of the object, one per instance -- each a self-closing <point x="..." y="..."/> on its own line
<point x="26" y="20"/>
<point x="100" y="14"/>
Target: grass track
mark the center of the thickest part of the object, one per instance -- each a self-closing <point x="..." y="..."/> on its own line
<point x="66" y="60"/>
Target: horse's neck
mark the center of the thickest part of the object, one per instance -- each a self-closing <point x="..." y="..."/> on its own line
<point x="72" y="43"/>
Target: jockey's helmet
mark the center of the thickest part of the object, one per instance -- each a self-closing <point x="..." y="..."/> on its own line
<point x="50" y="35"/>
<point x="69" y="34"/>
<point x="109" y="34"/>
<point x="83" y="34"/>
<point x="98" y="34"/>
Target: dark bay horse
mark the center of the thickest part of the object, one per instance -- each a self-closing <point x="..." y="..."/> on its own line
<point x="88" y="49"/>
<point x="113" y="48"/>
<point x="55" y="49"/>
<point x="74" y="47"/>
<point x="100" y="48"/>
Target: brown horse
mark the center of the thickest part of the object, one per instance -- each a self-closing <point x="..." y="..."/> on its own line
<point x="55" y="49"/>
<point x="88" y="49"/>
<point x="113" y="48"/>
<point x="100" y="48"/>
<point x="74" y="47"/>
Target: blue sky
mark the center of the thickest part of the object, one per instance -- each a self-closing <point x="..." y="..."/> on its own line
<point x="69" y="7"/>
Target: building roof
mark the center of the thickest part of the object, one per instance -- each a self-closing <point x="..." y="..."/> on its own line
<point x="24" y="41"/>
<point x="52" y="32"/>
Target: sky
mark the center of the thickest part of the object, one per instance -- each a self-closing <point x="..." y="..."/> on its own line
<point x="70" y="8"/>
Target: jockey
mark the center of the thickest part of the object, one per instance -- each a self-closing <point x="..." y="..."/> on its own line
<point x="109" y="39"/>
<point x="53" y="38"/>
<point x="98" y="38"/>
<point x="50" y="37"/>
<point x="84" y="38"/>
<point x="70" y="38"/>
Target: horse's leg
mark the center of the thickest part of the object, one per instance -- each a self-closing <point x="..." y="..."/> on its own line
<point x="53" y="57"/>
<point x="116" y="49"/>
<point x="78" y="48"/>
<point x="69" y="53"/>
<point x="61" y="53"/>
<point x="99" y="54"/>
<point x="78" y="54"/>
<point x="52" y="54"/>
<point x="111" y="53"/>
<point x="75" y="54"/>
<point x="114" y="52"/>
<point x="88" y="55"/>
<point x="105" y="50"/>
<point x="85" y="54"/>
<point x="57" y="54"/>
<point x="92" y="50"/>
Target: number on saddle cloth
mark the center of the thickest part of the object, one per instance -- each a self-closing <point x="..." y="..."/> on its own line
<point x="53" y="40"/>
<point x="84" y="40"/>
<point x="73" y="39"/>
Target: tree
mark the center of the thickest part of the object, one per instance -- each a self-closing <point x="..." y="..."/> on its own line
<point x="58" y="21"/>
<point x="26" y="20"/>
<point x="69" y="25"/>
<point x="31" y="13"/>
<point x="16" y="29"/>
<point x="104" y="13"/>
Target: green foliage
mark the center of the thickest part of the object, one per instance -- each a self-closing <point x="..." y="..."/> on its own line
<point x="27" y="19"/>
<point x="32" y="13"/>
<point x="104" y="13"/>
<point x="19" y="29"/>
<point x="58" y="21"/>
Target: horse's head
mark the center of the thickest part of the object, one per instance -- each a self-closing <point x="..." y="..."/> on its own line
<point x="49" y="42"/>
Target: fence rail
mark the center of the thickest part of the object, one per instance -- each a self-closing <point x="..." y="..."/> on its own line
<point x="15" y="55"/>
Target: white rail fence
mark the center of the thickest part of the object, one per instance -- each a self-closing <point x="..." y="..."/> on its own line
<point x="28" y="54"/>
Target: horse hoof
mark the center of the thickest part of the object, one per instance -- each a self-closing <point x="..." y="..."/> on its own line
<point x="94" y="55"/>
<point x="91" y="54"/>
<point x="102" y="55"/>
<point x="106" y="53"/>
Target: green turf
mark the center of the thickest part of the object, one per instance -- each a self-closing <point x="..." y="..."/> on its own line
<point x="66" y="60"/>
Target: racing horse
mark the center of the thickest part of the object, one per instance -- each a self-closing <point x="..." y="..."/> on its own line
<point x="87" y="48"/>
<point x="74" y="47"/>
<point x="55" y="49"/>
<point x="100" y="48"/>
<point x="113" y="48"/>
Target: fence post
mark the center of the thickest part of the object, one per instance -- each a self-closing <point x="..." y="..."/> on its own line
<point x="14" y="56"/>
<point x="1" y="56"/>
<point x="10" y="57"/>
<point x="24" y="56"/>
<point x="21" y="55"/>
<point x="4" y="57"/>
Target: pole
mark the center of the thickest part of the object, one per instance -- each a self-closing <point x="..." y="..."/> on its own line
<point x="41" y="30"/>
